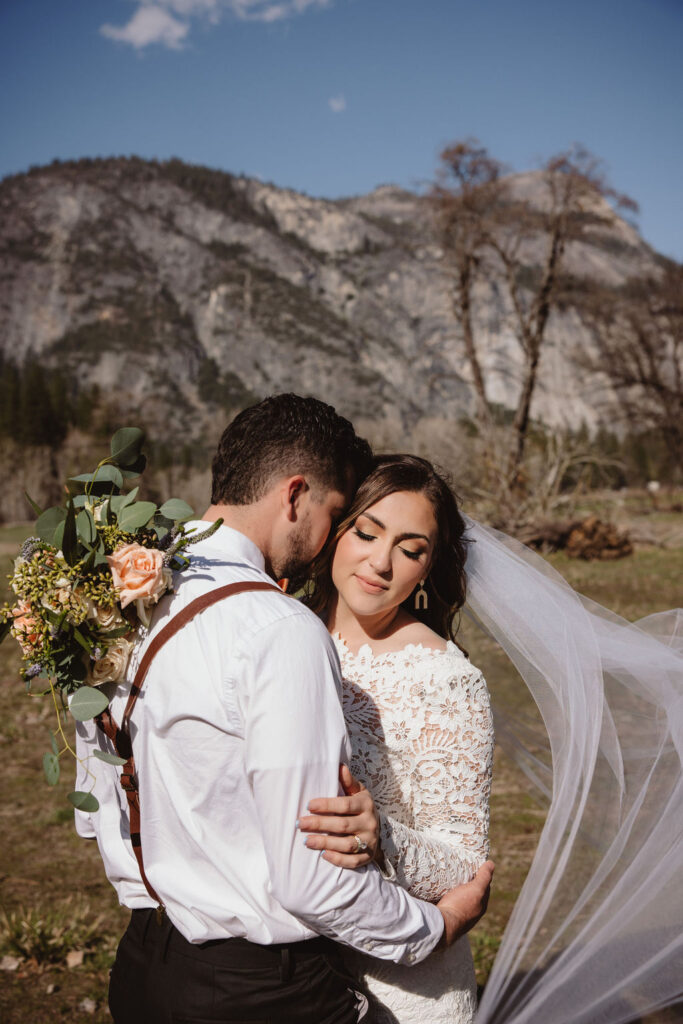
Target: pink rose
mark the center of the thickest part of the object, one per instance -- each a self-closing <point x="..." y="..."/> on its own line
<point x="25" y="626"/>
<point x="138" y="574"/>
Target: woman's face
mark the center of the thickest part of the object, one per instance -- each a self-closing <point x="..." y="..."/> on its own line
<point x="381" y="558"/>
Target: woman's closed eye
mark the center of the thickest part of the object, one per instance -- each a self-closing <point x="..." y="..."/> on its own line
<point x="412" y="554"/>
<point x="363" y="536"/>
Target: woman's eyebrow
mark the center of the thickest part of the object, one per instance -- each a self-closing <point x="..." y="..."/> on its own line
<point x="401" y="536"/>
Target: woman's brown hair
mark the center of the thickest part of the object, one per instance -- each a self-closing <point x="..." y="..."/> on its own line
<point x="446" y="582"/>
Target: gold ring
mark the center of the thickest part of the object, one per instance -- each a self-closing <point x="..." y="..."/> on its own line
<point x="360" y="845"/>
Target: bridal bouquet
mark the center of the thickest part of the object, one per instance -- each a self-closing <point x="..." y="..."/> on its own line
<point x="85" y="586"/>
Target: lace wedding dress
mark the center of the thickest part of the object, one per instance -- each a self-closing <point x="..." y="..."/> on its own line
<point x="421" y="732"/>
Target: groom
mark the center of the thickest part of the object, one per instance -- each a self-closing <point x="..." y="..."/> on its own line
<point x="239" y="726"/>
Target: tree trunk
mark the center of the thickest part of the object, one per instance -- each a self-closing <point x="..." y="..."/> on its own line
<point x="465" y="309"/>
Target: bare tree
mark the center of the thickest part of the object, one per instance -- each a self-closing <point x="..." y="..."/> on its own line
<point x="638" y="338"/>
<point x="489" y="228"/>
<point x="466" y="192"/>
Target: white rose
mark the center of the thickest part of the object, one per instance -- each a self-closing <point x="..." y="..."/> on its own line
<point x="107" y="618"/>
<point x="111" y="667"/>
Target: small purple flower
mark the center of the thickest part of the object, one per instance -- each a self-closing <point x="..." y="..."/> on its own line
<point x="33" y="670"/>
<point x="28" y="547"/>
<point x="96" y="654"/>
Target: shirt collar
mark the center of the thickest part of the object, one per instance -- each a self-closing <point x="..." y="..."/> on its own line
<point x="230" y="543"/>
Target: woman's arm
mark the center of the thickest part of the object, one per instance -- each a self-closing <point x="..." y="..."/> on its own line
<point x="448" y="771"/>
<point x="334" y="823"/>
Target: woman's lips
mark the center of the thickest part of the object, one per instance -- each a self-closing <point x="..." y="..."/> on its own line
<point x="368" y="586"/>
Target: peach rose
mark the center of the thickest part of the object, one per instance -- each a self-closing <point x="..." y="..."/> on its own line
<point x="138" y="574"/>
<point x="111" y="667"/>
<point x="25" y="626"/>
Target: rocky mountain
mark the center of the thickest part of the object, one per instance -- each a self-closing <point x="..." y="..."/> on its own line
<point x="181" y="292"/>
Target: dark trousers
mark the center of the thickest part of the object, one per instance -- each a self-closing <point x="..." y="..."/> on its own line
<point x="161" y="978"/>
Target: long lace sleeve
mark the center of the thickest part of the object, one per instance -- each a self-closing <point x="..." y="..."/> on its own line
<point x="421" y="729"/>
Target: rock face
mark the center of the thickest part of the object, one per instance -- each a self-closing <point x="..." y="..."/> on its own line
<point x="182" y="292"/>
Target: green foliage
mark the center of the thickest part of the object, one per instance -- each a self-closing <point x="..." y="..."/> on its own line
<point x="37" y="403"/>
<point x="83" y="801"/>
<point x="132" y="517"/>
<point x="176" y="510"/>
<point x="215" y="189"/>
<point x="46" y="934"/>
<point x="102" y="755"/>
<point x="87" y="702"/>
<point x="51" y="768"/>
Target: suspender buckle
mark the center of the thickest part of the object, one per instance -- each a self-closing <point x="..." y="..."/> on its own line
<point x="129" y="783"/>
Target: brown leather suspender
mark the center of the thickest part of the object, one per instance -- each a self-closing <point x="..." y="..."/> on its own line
<point x="120" y="735"/>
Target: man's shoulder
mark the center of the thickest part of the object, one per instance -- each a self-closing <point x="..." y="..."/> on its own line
<point x="249" y="611"/>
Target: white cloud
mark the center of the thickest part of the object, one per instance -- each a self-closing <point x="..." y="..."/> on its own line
<point x="337" y="104"/>
<point x="149" y="24"/>
<point x="168" y="22"/>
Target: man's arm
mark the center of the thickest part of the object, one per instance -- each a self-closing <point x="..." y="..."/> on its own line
<point x="295" y="738"/>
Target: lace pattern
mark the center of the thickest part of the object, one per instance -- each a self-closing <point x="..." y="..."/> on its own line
<point x="422" y="739"/>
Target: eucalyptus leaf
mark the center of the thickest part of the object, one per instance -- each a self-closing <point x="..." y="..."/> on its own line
<point x="176" y="509"/>
<point x="4" y="630"/>
<point x="58" y="536"/>
<point x="48" y="521"/>
<point x="80" y="500"/>
<point x="85" y="526"/>
<point x="89" y="561"/>
<point x="83" y="801"/>
<point x="34" y="504"/>
<point x="104" y="480"/>
<point x="136" y="469"/>
<point x="110" y="474"/>
<point x="87" y="702"/>
<point x="129" y="498"/>
<point x="53" y="744"/>
<point x="101" y="755"/>
<point x="70" y="537"/>
<point x="51" y="768"/>
<point x="120" y="501"/>
<point x="136" y="515"/>
<point x="126" y="445"/>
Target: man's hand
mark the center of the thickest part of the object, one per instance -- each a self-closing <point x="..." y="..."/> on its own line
<point x="464" y="905"/>
<point x="336" y="821"/>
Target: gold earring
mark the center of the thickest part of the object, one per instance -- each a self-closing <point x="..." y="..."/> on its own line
<point x="421" y="598"/>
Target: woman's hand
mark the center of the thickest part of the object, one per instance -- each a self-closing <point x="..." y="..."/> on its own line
<point x="334" y="823"/>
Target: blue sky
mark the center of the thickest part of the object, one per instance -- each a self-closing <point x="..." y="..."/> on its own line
<point x="334" y="97"/>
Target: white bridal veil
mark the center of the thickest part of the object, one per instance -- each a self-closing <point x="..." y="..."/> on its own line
<point x="596" y="934"/>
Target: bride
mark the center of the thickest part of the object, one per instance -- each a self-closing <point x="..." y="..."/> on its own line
<point x="416" y="709"/>
<point x="596" y="931"/>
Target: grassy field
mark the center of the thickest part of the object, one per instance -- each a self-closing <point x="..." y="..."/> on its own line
<point x="56" y="907"/>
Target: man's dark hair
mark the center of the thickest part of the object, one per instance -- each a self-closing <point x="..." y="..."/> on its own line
<point x="281" y="436"/>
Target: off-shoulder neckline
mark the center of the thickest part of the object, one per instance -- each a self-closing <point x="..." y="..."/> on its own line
<point x="366" y="652"/>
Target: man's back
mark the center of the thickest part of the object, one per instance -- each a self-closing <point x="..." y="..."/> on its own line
<point x="238" y="726"/>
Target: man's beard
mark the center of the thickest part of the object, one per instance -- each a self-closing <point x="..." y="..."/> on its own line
<point x="295" y="564"/>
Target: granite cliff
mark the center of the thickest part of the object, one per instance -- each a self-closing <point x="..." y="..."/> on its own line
<point x="182" y="293"/>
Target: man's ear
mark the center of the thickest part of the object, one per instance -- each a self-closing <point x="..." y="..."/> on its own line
<point x="294" y="488"/>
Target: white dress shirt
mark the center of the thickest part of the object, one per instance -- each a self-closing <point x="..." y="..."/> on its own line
<point x="238" y="726"/>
